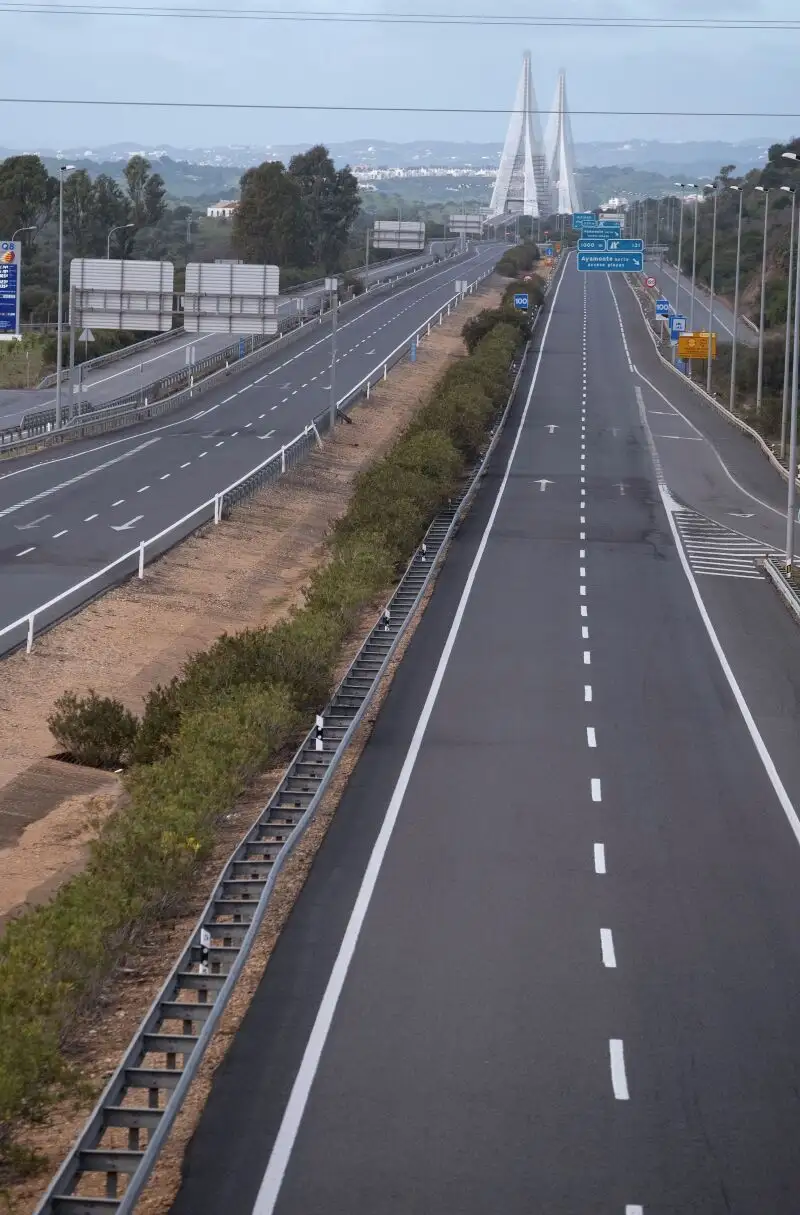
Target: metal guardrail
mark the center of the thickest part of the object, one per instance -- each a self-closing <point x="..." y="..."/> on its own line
<point x="126" y="352"/>
<point x="182" y="1019"/>
<point x="37" y="427"/>
<point x="23" y="631"/>
<point x="114" y="356"/>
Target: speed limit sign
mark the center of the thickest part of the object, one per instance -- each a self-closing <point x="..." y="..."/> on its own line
<point x="649" y="282"/>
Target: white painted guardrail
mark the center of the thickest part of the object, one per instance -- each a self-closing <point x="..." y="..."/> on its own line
<point x="214" y="508"/>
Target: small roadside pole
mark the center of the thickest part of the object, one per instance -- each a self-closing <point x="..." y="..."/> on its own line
<point x="332" y="287"/>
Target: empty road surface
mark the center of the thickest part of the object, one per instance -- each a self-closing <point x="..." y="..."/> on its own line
<point x="69" y="512"/>
<point x="547" y="958"/>
<point x="104" y="384"/>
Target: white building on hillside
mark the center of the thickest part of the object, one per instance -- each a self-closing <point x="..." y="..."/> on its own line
<point x="222" y="210"/>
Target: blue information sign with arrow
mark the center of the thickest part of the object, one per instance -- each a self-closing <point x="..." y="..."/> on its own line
<point x="582" y="217"/>
<point x="626" y="263"/>
<point x="626" y="245"/>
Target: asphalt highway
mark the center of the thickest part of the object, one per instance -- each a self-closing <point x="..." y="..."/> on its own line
<point x="666" y="275"/>
<point x="547" y="958"/>
<point x="116" y="379"/>
<point x="64" y="516"/>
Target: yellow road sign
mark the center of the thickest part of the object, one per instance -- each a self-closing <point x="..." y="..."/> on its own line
<point x="695" y="345"/>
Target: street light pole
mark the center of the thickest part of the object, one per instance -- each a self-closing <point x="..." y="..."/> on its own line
<point x="787" y="344"/>
<point x="736" y="297"/>
<point x="333" y="285"/>
<point x="680" y="254"/>
<point x="119" y="228"/>
<point x="694" y="264"/>
<point x="790" y="497"/>
<point x="711" y="303"/>
<point x="63" y="170"/>
<point x="759" y="387"/>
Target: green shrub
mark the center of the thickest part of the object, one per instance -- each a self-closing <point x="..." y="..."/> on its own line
<point x="96" y="730"/>
<point x="231" y="712"/>
<point x="53" y="958"/>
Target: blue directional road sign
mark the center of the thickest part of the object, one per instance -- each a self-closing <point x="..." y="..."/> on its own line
<point x="604" y="232"/>
<point x="522" y="301"/>
<point x="677" y="324"/>
<point x="582" y="217"/>
<point x="595" y="244"/>
<point x="627" y="263"/>
<point x="241" y="348"/>
<point x="548" y="251"/>
<point x="10" y="253"/>
<point x="625" y="246"/>
<point x="663" y="307"/>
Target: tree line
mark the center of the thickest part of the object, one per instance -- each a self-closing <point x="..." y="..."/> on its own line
<point x="296" y="215"/>
<point x="29" y="199"/>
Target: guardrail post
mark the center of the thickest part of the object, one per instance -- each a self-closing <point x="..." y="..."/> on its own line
<point x="217" y="507"/>
<point x="283" y="459"/>
<point x="367" y="389"/>
<point x="141" y="559"/>
<point x="316" y="432"/>
<point x="29" y="643"/>
<point x="448" y="309"/>
<point x="441" y="317"/>
<point x="191" y="385"/>
<point x="429" y="326"/>
<point x="384" y="370"/>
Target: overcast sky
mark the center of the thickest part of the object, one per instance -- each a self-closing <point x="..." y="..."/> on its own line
<point x="259" y="61"/>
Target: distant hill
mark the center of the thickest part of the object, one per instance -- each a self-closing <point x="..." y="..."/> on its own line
<point x="691" y="158"/>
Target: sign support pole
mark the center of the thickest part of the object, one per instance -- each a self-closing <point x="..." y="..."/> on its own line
<point x="334" y="319"/>
<point x="70" y="407"/>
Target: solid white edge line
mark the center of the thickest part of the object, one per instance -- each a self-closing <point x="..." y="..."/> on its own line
<point x="607" y="948"/>
<point x="749" y="720"/>
<point x="755" y="734"/>
<point x="619" y="1080"/>
<point x="295" y="1108"/>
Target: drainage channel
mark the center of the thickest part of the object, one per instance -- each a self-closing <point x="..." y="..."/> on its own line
<point x="123" y="1133"/>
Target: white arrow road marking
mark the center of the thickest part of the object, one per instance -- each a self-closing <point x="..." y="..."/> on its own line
<point x="741" y="514"/>
<point x="689" y="438"/>
<point x="542" y="482"/>
<point x="25" y="551"/>
<point x="124" y="527"/>
<point x="620" y="485"/>
<point x="24" y="527"/>
<point x="268" y="435"/>
<point x="551" y="427"/>
<point x="46" y="493"/>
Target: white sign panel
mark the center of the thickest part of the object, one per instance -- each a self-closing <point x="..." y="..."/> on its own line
<point x="121" y="294"/>
<point x="394" y="234"/>
<point x="470" y="225"/>
<point x="231" y="298"/>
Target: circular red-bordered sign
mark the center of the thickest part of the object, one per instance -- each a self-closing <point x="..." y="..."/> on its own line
<point x="649" y="282"/>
